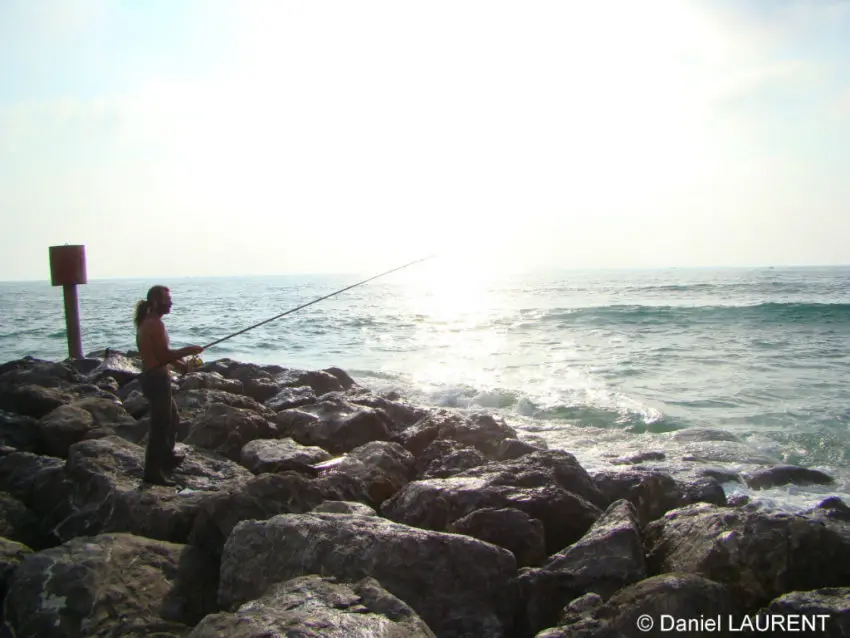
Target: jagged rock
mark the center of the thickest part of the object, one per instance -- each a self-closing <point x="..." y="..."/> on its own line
<point x="260" y="498"/>
<point x="343" y="377"/>
<point x="344" y="507"/>
<point x="280" y="455"/>
<point x="226" y="430"/>
<point x="760" y="556"/>
<point x="651" y="492"/>
<point x="320" y="381"/>
<point x="402" y="414"/>
<point x="193" y="404"/>
<point x="111" y="585"/>
<point x="721" y="475"/>
<point x="454" y="463"/>
<point x="117" y="366"/>
<point x="86" y="418"/>
<point x="810" y="607"/>
<point x="785" y="474"/>
<point x="384" y="468"/>
<point x="609" y="557"/>
<point x="458" y="585"/>
<point x="12" y="554"/>
<point x="261" y="389"/>
<point x="19" y="523"/>
<point x="309" y="604"/>
<point x="288" y="398"/>
<point x="22" y="474"/>
<point x="480" y="431"/>
<point x="700" y="490"/>
<point x="434" y="452"/>
<point x="32" y="371"/>
<point x="32" y="400"/>
<point x="85" y="365"/>
<point x="210" y="381"/>
<point x="553" y="494"/>
<point x="662" y="600"/>
<point x="510" y="528"/>
<point x="19" y="432"/>
<point x="136" y="404"/>
<point x="106" y="384"/>
<point x="830" y="508"/>
<point x="514" y="448"/>
<point x="339" y="426"/>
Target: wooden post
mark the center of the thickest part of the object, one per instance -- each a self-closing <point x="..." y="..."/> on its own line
<point x="67" y="269"/>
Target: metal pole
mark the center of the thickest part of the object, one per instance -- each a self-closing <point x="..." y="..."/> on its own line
<point x="72" y="322"/>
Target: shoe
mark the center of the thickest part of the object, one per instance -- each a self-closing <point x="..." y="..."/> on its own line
<point x="173" y="461"/>
<point x="159" y="480"/>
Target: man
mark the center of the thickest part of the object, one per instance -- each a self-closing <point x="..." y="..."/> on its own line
<point x="152" y="341"/>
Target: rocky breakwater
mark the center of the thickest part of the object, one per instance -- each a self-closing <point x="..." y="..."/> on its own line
<point x="309" y="505"/>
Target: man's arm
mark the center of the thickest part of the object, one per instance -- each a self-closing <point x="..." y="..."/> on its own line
<point x="164" y="354"/>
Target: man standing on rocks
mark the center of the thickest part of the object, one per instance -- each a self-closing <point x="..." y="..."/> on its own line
<point x="152" y="341"/>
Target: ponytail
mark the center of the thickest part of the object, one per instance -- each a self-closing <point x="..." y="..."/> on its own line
<point x="141" y="310"/>
<point x="144" y="306"/>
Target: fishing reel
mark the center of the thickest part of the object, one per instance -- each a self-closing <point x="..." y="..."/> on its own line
<point x="194" y="363"/>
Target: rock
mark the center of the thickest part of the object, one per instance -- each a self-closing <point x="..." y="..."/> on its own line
<point x="193" y="404"/>
<point x="738" y="500"/>
<point x="85" y="365"/>
<point x="480" y="431"/>
<point x="339" y="426"/>
<point x="830" y="508"/>
<point x="760" y="556"/>
<point x="63" y="427"/>
<point x="454" y="463"/>
<point x="31" y="371"/>
<point x="651" y="492"/>
<point x="19" y="432"/>
<point x="701" y="490"/>
<point x="434" y="452"/>
<point x="663" y="599"/>
<point x="809" y="607"/>
<point x="261" y="389"/>
<point x="117" y="366"/>
<point x="785" y="474"/>
<point x="22" y="474"/>
<point x="210" y="381"/>
<point x="227" y="430"/>
<point x="609" y="557"/>
<point x="320" y="381"/>
<point x="110" y="585"/>
<point x="288" y="398"/>
<point x="107" y="385"/>
<point x="721" y="475"/>
<point x="435" y="503"/>
<point x="19" y="523"/>
<point x="640" y="457"/>
<point x="514" y="448"/>
<point x="510" y="528"/>
<point x="136" y="404"/>
<point x="245" y="372"/>
<point x="343" y="377"/>
<point x="32" y="400"/>
<point x="260" y="498"/>
<point x="344" y="507"/>
<point x="12" y="554"/>
<point x="459" y="586"/>
<point x="280" y="455"/>
<point x="301" y="606"/>
<point x="401" y="414"/>
<point x="384" y="468"/>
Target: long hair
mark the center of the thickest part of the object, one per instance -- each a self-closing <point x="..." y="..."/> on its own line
<point x="143" y="307"/>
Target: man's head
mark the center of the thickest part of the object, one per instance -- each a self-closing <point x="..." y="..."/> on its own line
<point x="159" y="300"/>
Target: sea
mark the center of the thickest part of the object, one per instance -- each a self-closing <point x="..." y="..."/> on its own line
<point x="732" y="368"/>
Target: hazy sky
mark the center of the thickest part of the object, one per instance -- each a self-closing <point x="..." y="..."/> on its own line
<point x="211" y="137"/>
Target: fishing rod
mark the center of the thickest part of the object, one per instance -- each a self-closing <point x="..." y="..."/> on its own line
<point x="289" y="312"/>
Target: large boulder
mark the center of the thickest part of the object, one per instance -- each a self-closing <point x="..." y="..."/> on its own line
<point x="12" y="554"/>
<point x="510" y="528"/>
<point x="121" y="368"/>
<point x="338" y="426"/>
<point x="280" y="455"/>
<point x="19" y="523"/>
<point x="454" y="463"/>
<point x="764" y="478"/>
<point x="111" y="585"/>
<point x="458" y="585"/>
<point x="826" y="612"/>
<point x="287" y="398"/>
<point x="32" y="400"/>
<point x="32" y="371"/>
<point x="86" y="418"/>
<point x="316" y="606"/>
<point x="384" y="468"/>
<point x="210" y="381"/>
<point x="760" y="556"/>
<point x="401" y="413"/>
<point x="609" y="557"/>
<point x="23" y="475"/>
<point x="481" y="431"/>
<point x="226" y="430"/>
<point x="19" y="432"/>
<point x="320" y="381"/>
<point x="193" y="404"/>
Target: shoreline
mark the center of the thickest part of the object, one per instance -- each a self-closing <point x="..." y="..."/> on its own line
<point x="301" y="485"/>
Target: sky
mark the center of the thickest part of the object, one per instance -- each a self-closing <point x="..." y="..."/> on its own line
<point x="211" y="137"/>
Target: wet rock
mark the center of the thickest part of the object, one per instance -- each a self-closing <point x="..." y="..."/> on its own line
<point x="32" y="400"/>
<point x="32" y="371"/>
<point x="280" y="455"/>
<point x="136" y="404"/>
<point x="12" y="554"/>
<point x="738" y="500"/>
<point x="721" y="475"/>
<point x="454" y="463"/>
<point x="640" y="457"/>
<point x="402" y="414"/>
<point x="651" y="492"/>
<point x="480" y="431"/>
<point x="109" y="585"/>
<point x="700" y="490"/>
<point x="784" y="475"/>
<point x="798" y="607"/>
<point x="19" y="432"/>
<point x="344" y="507"/>
<point x="210" y="381"/>
<point x="227" y="430"/>
<point x="63" y="427"/>
<point x="343" y="377"/>
<point x="261" y="389"/>
<point x="760" y="556"/>
<point x="288" y="398"/>
<point x="300" y="606"/>
<point x="382" y="467"/>
<point x="19" y="523"/>
<point x="244" y="372"/>
<point x="510" y="528"/>
<point x="609" y="557"/>
<point x="830" y="508"/>
<point x="339" y="426"/>
<point x="320" y="381"/>
<point x="194" y="404"/>
<point x="458" y="585"/>
<point x="434" y="453"/>
<point x="121" y="368"/>
<point x="259" y="499"/>
<point x="672" y="596"/>
<point x="514" y="448"/>
<point x="22" y="474"/>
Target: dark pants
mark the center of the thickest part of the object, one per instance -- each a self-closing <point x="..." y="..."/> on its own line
<point x="165" y="421"/>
